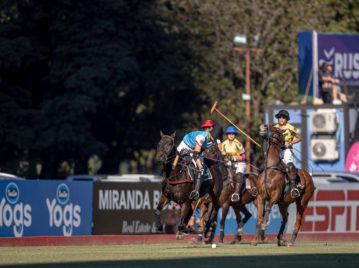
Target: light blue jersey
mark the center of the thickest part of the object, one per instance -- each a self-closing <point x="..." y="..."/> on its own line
<point x="199" y="137"/>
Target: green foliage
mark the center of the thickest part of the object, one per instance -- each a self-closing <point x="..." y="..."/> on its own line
<point x="100" y="78"/>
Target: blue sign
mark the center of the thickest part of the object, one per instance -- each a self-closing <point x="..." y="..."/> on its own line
<point x="337" y="49"/>
<point x="45" y="208"/>
<point x="274" y="223"/>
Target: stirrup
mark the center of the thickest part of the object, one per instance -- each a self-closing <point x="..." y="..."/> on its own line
<point x="194" y="195"/>
<point x="253" y="191"/>
<point x="235" y="197"/>
<point x="294" y="193"/>
<point x="300" y="186"/>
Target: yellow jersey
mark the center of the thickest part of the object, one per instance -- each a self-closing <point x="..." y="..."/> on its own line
<point x="235" y="149"/>
<point x="289" y="133"/>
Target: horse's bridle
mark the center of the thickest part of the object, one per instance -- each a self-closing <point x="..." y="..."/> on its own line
<point x="276" y="140"/>
<point x="167" y="153"/>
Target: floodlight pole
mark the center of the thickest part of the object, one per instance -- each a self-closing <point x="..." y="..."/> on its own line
<point x="248" y="101"/>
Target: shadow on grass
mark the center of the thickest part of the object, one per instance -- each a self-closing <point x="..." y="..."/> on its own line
<point x="292" y="261"/>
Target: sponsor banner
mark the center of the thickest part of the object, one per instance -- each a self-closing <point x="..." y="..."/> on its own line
<point x="126" y="208"/>
<point x="334" y="208"/>
<point x="45" y="208"/>
<point x="341" y="51"/>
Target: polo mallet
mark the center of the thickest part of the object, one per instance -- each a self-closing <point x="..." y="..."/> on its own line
<point x="214" y="108"/>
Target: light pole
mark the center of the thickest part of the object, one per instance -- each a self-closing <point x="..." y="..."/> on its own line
<point x="240" y="40"/>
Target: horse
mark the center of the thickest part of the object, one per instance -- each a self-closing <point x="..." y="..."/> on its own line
<point x="177" y="183"/>
<point x="226" y="201"/>
<point x="272" y="185"/>
<point x="213" y="159"/>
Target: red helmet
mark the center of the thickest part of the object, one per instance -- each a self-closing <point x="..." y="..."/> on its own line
<point x="207" y="123"/>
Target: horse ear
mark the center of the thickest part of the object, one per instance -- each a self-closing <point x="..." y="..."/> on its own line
<point x="173" y="135"/>
<point x="161" y="133"/>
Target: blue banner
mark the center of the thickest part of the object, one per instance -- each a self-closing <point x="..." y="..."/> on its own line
<point x="274" y="223"/>
<point x="45" y="208"/>
<point x="341" y="51"/>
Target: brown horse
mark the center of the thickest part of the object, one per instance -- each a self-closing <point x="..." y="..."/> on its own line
<point x="225" y="202"/>
<point x="177" y="184"/>
<point x="271" y="185"/>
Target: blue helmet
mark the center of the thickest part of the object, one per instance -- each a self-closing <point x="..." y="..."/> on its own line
<point x="231" y="129"/>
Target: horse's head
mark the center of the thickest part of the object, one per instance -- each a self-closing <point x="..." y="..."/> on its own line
<point x="275" y="136"/>
<point x="165" y="147"/>
<point x="213" y="152"/>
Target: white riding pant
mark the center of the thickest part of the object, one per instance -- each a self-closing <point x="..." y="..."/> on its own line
<point x="239" y="167"/>
<point x="183" y="145"/>
<point x="286" y="155"/>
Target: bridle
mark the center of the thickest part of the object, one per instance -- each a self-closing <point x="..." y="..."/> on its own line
<point x="275" y="140"/>
<point x="166" y="153"/>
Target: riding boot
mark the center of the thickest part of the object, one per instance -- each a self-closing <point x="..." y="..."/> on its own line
<point x="197" y="186"/>
<point x="292" y="173"/>
<point x="229" y="172"/>
<point x="238" y="186"/>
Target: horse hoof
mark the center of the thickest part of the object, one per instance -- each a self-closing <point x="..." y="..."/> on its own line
<point x="179" y="236"/>
<point x="220" y="241"/>
<point x="289" y="244"/>
<point x="281" y="242"/>
<point x="254" y="243"/>
<point x="264" y="240"/>
<point x="236" y="240"/>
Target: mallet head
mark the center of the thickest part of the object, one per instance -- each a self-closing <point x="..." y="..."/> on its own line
<point x="214" y="106"/>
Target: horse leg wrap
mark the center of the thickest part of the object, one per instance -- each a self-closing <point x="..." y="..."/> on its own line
<point x="266" y="218"/>
<point x="281" y="230"/>
<point x="294" y="236"/>
<point x="266" y="214"/>
<point x="158" y="220"/>
<point x="221" y="233"/>
<point x="258" y="230"/>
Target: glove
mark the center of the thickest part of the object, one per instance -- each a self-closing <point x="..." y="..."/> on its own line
<point x="288" y="145"/>
<point x="263" y="129"/>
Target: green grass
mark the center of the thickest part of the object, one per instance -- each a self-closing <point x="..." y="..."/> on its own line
<point x="320" y="254"/>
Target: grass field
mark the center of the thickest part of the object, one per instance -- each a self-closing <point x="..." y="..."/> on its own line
<point x="319" y="254"/>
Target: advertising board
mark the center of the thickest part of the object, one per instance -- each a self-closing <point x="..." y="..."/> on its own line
<point x="334" y="208"/>
<point x="125" y="208"/>
<point x="45" y="208"/>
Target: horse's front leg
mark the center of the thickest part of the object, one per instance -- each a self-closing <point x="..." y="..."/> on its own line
<point x="259" y="202"/>
<point x="185" y="211"/>
<point x="283" y="208"/>
<point x="162" y="202"/>
<point x="273" y="200"/>
<point x="225" y="208"/>
<point x="203" y="209"/>
<point x="237" y="208"/>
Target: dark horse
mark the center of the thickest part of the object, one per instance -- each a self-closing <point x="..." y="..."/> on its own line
<point x="225" y="202"/>
<point x="177" y="184"/>
<point x="271" y="185"/>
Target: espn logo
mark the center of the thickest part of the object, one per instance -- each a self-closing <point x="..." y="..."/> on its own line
<point x="332" y="211"/>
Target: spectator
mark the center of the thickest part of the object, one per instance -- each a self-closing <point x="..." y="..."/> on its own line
<point x="329" y="86"/>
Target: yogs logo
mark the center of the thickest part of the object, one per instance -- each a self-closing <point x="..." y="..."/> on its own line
<point x="63" y="214"/>
<point x="63" y="194"/>
<point x="13" y="213"/>
<point x="12" y="193"/>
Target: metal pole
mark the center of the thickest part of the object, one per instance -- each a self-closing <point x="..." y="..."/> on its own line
<point x="248" y="102"/>
<point x="248" y="107"/>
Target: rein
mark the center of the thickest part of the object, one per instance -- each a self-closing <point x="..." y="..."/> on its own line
<point x="271" y="143"/>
